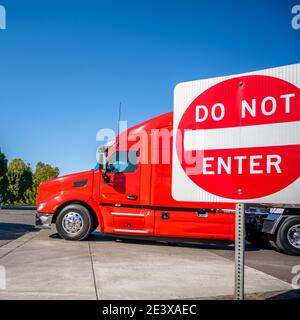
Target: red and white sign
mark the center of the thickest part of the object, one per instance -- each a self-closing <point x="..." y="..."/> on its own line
<point x="237" y="138"/>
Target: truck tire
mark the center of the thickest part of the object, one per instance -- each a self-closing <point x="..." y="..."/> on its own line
<point x="74" y="222"/>
<point x="288" y="236"/>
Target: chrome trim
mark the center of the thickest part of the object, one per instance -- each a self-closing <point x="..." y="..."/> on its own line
<point x="277" y="210"/>
<point x="128" y="214"/>
<point x="228" y="211"/>
<point x="131" y="230"/>
<point x="293" y="236"/>
<point x="43" y="219"/>
<point x="72" y="222"/>
<point x="202" y="214"/>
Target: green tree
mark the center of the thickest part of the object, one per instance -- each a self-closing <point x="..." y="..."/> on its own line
<point x="43" y="172"/>
<point x="19" y="176"/>
<point x="3" y="177"/>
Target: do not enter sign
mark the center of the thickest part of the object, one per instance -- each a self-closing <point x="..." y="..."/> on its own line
<point x="237" y="138"/>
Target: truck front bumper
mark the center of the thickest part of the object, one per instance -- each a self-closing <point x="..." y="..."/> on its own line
<point x="43" y="220"/>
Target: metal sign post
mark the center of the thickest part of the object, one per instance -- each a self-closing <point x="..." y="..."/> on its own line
<point x="229" y="128"/>
<point x="239" y="250"/>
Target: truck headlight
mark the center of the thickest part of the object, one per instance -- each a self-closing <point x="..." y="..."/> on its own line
<point x="41" y="206"/>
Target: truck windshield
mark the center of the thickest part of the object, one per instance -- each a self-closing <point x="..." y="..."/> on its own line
<point x="122" y="161"/>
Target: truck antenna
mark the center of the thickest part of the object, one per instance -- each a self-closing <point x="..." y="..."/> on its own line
<point x="118" y="143"/>
<point x="119" y="118"/>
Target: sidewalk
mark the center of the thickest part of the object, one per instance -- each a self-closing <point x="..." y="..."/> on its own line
<point x="43" y="267"/>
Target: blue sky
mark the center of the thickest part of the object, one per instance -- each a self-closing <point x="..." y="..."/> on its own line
<point x="66" y="65"/>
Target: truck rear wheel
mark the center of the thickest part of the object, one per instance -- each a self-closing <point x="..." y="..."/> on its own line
<point x="74" y="222"/>
<point x="288" y="236"/>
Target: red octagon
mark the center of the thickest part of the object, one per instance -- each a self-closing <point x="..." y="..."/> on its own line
<point x="231" y="93"/>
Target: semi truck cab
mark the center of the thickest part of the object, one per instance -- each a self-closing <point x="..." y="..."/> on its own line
<point x="129" y="194"/>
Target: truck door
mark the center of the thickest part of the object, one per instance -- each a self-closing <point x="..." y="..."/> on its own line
<point x="120" y="201"/>
<point x="121" y="183"/>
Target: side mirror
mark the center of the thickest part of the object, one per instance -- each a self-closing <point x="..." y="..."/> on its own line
<point x="110" y="167"/>
<point x="102" y="161"/>
<point x="106" y="178"/>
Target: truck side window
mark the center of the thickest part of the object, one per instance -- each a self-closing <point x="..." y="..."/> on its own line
<point x="122" y="161"/>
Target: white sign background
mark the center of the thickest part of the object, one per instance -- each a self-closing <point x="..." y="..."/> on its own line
<point x="183" y="188"/>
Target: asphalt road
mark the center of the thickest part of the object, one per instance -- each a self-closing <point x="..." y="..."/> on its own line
<point x="108" y="258"/>
<point x="14" y="224"/>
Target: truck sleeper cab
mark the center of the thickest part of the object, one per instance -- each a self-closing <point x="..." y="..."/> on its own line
<point x="130" y="195"/>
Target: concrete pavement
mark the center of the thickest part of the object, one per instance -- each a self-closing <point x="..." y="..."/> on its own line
<point x="151" y="271"/>
<point x="40" y="265"/>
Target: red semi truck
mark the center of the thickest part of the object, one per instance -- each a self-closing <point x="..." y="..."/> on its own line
<point x="130" y="195"/>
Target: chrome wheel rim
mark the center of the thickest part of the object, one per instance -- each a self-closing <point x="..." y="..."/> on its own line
<point x="72" y="223"/>
<point x="294" y="236"/>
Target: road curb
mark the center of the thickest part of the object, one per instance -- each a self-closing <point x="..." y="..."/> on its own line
<point x="17" y="208"/>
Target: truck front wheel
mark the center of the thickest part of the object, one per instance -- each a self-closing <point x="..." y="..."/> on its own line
<point x="74" y="222"/>
<point x="288" y="236"/>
